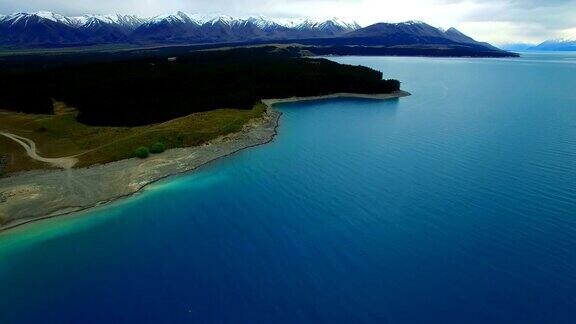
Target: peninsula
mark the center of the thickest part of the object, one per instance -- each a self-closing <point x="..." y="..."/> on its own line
<point x="74" y="142"/>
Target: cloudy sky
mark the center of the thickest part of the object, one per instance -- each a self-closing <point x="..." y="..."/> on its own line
<point x="497" y="21"/>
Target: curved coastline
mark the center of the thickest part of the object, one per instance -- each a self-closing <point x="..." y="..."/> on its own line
<point x="381" y="96"/>
<point x="43" y="194"/>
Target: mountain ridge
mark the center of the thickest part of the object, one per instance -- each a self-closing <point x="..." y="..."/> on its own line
<point x="48" y="29"/>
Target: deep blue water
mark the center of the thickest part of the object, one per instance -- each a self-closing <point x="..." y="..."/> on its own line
<point x="454" y="205"/>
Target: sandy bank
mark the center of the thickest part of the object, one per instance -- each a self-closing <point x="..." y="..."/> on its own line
<point x="384" y="96"/>
<point x="40" y="194"/>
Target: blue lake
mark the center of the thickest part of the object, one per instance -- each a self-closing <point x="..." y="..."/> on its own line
<point x="454" y="205"/>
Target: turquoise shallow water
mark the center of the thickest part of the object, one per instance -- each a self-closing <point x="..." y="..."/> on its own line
<point x="454" y="205"/>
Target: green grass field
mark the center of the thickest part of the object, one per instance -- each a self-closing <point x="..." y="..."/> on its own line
<point x="60" y="135"/>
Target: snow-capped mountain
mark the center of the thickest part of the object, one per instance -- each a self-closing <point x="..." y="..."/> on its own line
<point x="186" y="28"/>
<point x="51" y="29"/>
<point x="38" y="28"/>
<point x="182" y="26"/>
<point x="46" y="15"/>
<point x="319" y="28"/>
<point x="561" y="44"/>
<point x="48" y="28"/>
<point x="127" y="22"/>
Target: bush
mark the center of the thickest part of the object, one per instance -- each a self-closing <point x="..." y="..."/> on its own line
<point x="142" y="152"/>
<point x="3" y="162"/>
<point x="157" y="148"/>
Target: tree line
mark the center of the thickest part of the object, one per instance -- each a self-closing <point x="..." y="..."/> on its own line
<point x="143" y="90"/>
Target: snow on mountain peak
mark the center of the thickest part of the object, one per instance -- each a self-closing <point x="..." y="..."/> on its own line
<point x="16" y="18"/>
<point x="288" y="22"/>
<point x="199" y="19"/>
<point x="49" y="15"/>
<point x="414" y="22"/>
<point x="347" y="24"/>
<point x="180" y="17"/>
<point x="261" y="22"/>
<point x="224" y="19"/>
<point x="127" y="21"/>
<point x="308" y="23"/>
<point x="167" y="18"/>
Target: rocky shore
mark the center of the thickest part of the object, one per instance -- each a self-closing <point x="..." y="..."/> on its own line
<point x="34" y="195"/>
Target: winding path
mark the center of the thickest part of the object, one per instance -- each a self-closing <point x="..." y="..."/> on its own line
<point x="30" y="147"/>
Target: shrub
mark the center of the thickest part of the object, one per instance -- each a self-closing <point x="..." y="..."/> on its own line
<point x="157" y="148"/>
<point x="142" y="152"/>
<point x="3" y="162"/>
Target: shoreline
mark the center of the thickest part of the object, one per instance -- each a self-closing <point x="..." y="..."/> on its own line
<point x="382" y="96"/>
<point x="32" y="196"/>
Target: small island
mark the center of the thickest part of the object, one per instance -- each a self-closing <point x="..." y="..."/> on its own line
<point x="96" y="128"/>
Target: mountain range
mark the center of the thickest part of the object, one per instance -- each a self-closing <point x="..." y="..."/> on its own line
<point x="47" y="29"/>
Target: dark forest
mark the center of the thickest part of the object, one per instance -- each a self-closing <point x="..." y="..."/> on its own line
<point x="142" y="90"/>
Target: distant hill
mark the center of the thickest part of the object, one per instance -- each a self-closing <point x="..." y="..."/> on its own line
<point x="516" y="46"/>
<point x="563" y="44"/>
<point x="47" y="29"/>
<point x="411" y="38"/>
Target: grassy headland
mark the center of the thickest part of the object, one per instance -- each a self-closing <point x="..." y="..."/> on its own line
<point x="60" y="134"/>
